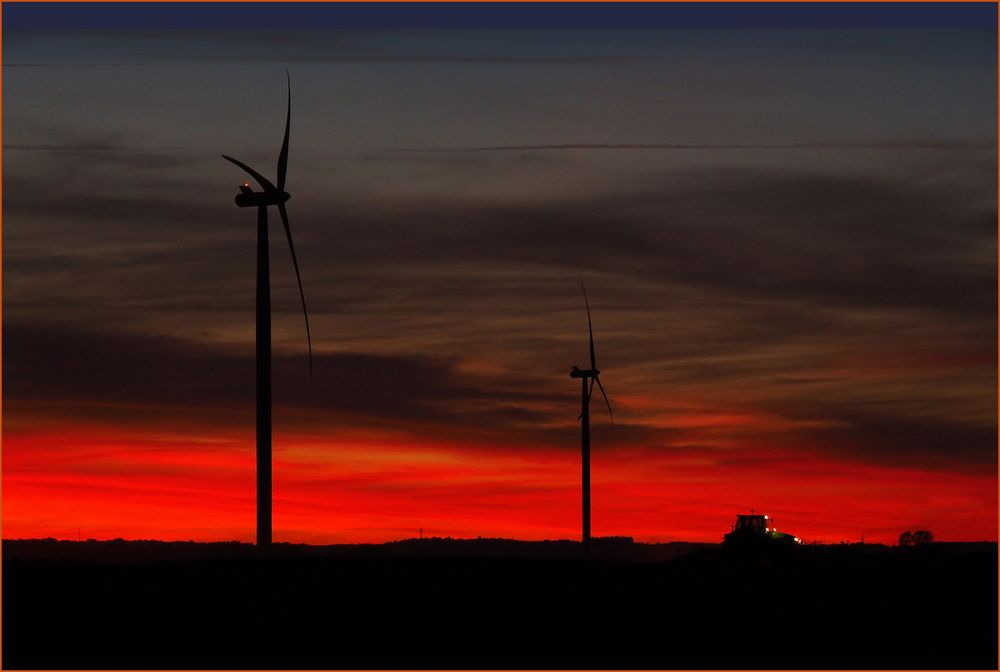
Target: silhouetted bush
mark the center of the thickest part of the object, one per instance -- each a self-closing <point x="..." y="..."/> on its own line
<point x="918" y="538"/>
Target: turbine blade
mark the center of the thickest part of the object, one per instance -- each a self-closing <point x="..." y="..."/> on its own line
<point x="590" y="328"/>
<point x="283" y="156"/>
<point x="261" y="180"/>
<point x="302" y="294"/>
<point x="606" y="400"/>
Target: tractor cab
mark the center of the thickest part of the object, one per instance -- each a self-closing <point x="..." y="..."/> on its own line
<point x="752" y="523"/>
<point x="751" y="528"/>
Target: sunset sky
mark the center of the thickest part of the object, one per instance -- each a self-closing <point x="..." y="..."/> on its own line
<point x="788" y="237"/>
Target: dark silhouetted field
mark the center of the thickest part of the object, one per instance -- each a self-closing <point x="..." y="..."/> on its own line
<point x="497" y="604"/>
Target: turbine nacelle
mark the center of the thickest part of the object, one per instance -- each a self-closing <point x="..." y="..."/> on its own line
<point x="248" y="198"/>
<point x="589" y="373"/>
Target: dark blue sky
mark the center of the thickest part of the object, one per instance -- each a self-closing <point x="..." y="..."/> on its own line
<point x="558" y="15"/>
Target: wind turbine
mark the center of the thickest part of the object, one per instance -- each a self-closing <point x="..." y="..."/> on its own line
<point x="248" y="198"/>
<point x="594" y="375"/>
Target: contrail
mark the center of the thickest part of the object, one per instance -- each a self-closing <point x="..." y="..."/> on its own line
<point x="887" y="145"/>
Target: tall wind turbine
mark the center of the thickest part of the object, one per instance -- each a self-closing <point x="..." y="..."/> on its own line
<point x="247" y="198"/>
<point x="586" y="393"/>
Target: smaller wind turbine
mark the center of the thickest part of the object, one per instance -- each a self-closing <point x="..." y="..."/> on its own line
<point x="594" y="375"/>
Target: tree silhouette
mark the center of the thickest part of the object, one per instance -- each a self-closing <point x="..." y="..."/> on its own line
<point x="918" y="538"/>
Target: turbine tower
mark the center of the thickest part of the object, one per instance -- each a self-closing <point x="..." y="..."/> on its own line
<point x="247" y="198"/>
<point x="586" y="393"/>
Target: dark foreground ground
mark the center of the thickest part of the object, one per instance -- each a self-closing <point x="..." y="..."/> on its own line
<point x="494" y="604"/>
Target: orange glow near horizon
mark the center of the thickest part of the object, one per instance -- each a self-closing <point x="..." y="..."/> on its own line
<point x="371" y="486"/>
